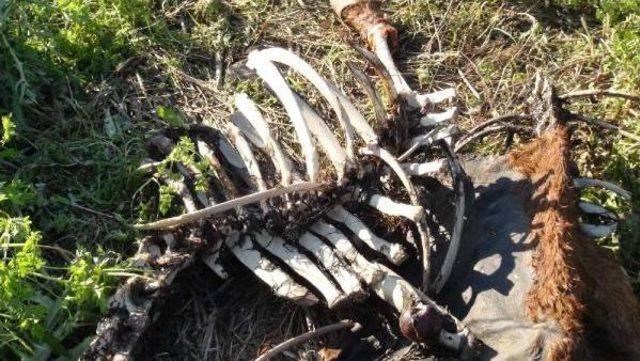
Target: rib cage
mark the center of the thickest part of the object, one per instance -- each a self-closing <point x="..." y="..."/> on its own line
<point x="230" y="153"/>
<point x="306" y="246"/>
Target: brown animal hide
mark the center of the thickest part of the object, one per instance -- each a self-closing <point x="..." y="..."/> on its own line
<point x="576" y="283"/>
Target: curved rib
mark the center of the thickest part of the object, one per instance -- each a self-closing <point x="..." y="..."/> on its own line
<point x="243" y="148"/>
<point x="328" y="91"/>
<point x="325" y="137"/>
<point x="598" y="230"/>
<point x="348" y="282"/>
<point x="588" y="182"/>
<point x="249" y="109"/>
<point x="268" y="72"/>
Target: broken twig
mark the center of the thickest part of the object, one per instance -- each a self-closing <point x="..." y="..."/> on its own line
<point x="341" y="325"/>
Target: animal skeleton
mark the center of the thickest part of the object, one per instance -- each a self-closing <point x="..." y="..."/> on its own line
<point x="301" y="233"/>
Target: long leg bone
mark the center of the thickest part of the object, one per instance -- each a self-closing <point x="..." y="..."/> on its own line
<point x="392" y="251"/>
<point x="366" y="18"/>
<point x="302" y="265"/>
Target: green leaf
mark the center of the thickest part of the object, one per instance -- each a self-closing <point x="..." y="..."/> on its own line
<point x="8" y="129"/>
<point x="171" y="116"/>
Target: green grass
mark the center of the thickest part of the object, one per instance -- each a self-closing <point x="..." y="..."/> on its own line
<point x="83" y="82"/>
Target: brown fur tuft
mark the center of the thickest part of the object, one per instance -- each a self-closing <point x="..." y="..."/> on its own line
<point x="577" y="284"/>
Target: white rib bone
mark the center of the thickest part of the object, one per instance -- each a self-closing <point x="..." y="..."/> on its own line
<point x="598" y="230"/>
<point x="230" y="154"/>
<point x="587" y="182"/>
<point x="240" y="120"/>
<point x="269" y="273"/>
<point x="432" y="119"/>
<point x="433" y="136"/>
<point x="248" y="108"/>
<point x="328" y="91"/>
<point x="390" y="207"/>
<point x="270" y="75"/>
<point x="384" y="282"/>
<point x="249" y="160"/>
<point x="346" y="279"/>
<point x="212" y="210"/>
<point x="369" y="274"/>
<point x="414" y="99"/>
<point x="302" y="265"/>
<point x="325" y="137"/>
<point x="592" y="208"/>
<point x="212" y="259"/>
<point x="392" y="251"/>
<point x="421" y="169"/>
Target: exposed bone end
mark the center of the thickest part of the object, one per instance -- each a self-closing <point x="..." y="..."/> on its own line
<point x="427" y="168"/>
<point x="432" y="119"/>
<point x="392" y="251"/>
<point x="425" y="324"/>
<point x="390" y="207"/>
<point x="365" y="17"/>
<point x="212" y="260"/>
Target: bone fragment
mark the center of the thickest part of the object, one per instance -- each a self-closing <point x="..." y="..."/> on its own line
<point x="392" y="251"/>
<point x="248" y="158"/>
<point x="588" y="182"/>
<point x="168" y="223"/>
<point x="268" y="72"/>
<point x="348" y="282"/>
<point x="431" y="137"/>
<point x="248" y="108"/>
<point x="301" y="265"/>
<point x="432" y="119"/>
<point x="390" y="207"/>
<point x="422" y="169"/>
<point x="269" y="273"/>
